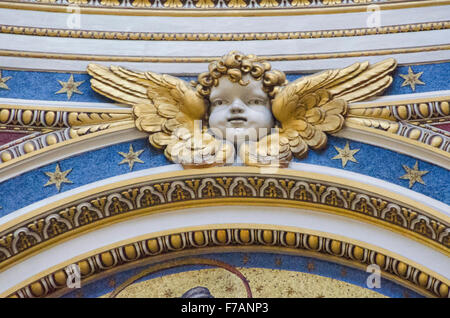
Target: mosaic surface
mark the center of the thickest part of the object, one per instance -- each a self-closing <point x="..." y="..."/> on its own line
<point x="264" y="274"/>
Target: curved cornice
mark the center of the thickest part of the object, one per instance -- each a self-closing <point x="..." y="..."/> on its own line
<point x="225" y="238"/>
<point x="60" y="220"/>
<point x="207" y="36"/>
<point x="401" y="144"/>
<point x="187" y="59"/>
<point x="66" y="148"/>
<point x="271" y="10"/>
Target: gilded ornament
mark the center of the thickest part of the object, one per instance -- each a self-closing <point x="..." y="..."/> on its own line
<point x="445" y="108"/>
<point x="3" y="80"/>
<point x="84" y="267"/>
<point x="345" y="154"/>
<point x="402" y="268"/>
<point x="153" y="245"/>
<point x="78" y="1"/>
<point x="131" y="157"/>
<point x="60" y="278"/>
<point x="199" y="238"/>
<point x="267" y="236"/>
<point x="37" y="289"/>
<point x="110" y="2"/>
<point x="415" y="133"/>
<point x="402" y="112"/>
<point x="290" y="238"/>
<point x="93" y="267"/>
<point x="423" y="279"/>
<point x="221" y="236"/>
<point x="70" y="87"/>
<point x="204" y="4"/>
<point x="117" y="35"/>
<point x="49" y="118"/>
<point x="28" y="147"/>
<point x="6" y="156"/>
<point x="27" y="116"/>
<point x="336" y="247"/>
<point x="244" y="236"/>
<point x="130" y="251"/>
<point x="424" y="110"/>
<point x="237" y="4"/>
<point x="324" y="195"/>
<point x="443" y="290"/>
<point x="4" y="115"/>
<point x="58" y="177"/>
<point x="413" y="174"/>
<point x="219" y="4"/>
<point x="300" y="3"/>
<point x="51" y="139"/>
<point x="412" y="79"/>
<point x="380" y="259"/>
<point x="415" y="120"/>
<point x="436" y="141"/>
<point x="173" y="4"/>
<point x="313" y="242"/>
<point x="176" y="241"/>
<point x="268" y="3"/>
<point x="358" y="252"/>
<point x="229" y="110"/>
<point x="141" y="3"/>
<point x="107" y="259"/>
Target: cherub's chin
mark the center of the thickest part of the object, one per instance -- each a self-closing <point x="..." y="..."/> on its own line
<point x="238" y="125"/>
<point x="239" y="134"/>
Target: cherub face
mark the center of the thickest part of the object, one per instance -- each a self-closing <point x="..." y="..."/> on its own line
<point x="240" y="112"/>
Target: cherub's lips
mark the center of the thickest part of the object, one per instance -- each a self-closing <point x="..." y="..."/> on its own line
<point x="237" y="120"/>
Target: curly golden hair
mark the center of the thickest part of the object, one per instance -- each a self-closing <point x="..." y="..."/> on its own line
<point x="235" y="65"/>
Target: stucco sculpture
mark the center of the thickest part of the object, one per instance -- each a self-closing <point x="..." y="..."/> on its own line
<point x="240" y="109"/>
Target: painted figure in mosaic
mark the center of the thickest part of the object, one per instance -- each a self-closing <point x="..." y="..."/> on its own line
<point x="198" y="292"/>
<point x="240" y="108"/>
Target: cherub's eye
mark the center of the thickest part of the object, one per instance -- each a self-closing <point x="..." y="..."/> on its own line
<point x="217" y="102"/>
<point x="255" y="102"/>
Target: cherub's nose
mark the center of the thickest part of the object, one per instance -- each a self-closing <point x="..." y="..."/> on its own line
<point x="237" y="107"/>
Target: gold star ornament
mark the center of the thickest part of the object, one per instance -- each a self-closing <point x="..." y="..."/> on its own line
<point x="413" y="174"/>
<point x="3" y="81"/>
<point x="131" y="157"/>
<point x="69" y="87"/>
<point x="346" y="154"/>
<point x="58" y="177"/>
<point x="412" y="79"/>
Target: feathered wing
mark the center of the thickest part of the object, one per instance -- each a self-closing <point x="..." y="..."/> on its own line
<point x="167" y="108"/>
<point x="312" y="106"/>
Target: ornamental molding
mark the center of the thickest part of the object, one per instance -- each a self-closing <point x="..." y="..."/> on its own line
<point x="213" y="7"/>
<point x="259" y="238"/>
<point x="187" y="59"/>
<point x="52" y="127"/>
<point x="253" y="36"/>
<point x="72" y="216"/>
<point x="412" y="119"/>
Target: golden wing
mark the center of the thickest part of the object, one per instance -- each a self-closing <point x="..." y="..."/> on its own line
<point x="167" y="108"/>
<point x="314" y="105"/>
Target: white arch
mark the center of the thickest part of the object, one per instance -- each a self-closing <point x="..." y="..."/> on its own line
<point x="226" y="215"/>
